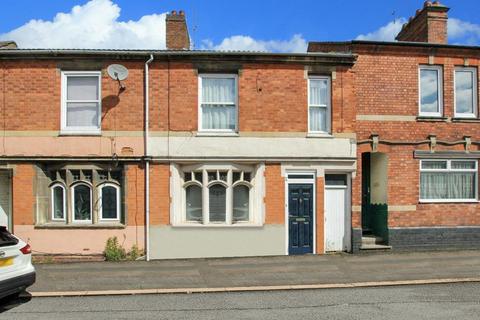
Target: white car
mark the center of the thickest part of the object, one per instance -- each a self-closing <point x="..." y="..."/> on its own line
<point x="16" y="269"/>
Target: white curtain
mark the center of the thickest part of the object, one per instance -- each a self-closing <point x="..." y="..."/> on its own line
<point x="218" y="103"/>
<point x="318" y="119"/>
<point x="451" y="185"/>
<point x="318" y="92"/>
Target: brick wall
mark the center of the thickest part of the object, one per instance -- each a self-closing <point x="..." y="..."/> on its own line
<point x="159" y="194"/>
<point x="386" y="83"/>
<point x="274" y="195"/>
<point x="23" y="195"/>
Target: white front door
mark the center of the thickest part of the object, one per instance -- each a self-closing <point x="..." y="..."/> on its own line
<point x="5" y="198"/>
<point x="337" y="217"/>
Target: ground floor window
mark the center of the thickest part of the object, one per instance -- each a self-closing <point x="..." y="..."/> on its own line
<point x="91" y="194"/>
<point x="222" y="194"/>
<point x="448" y="180"/>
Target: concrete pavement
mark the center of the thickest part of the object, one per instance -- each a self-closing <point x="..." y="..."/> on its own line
<point x="283" y="271"/>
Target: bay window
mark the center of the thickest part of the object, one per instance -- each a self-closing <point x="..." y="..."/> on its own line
<point x="319" y="101"/>
<point x="218" y="107"/>
<point x="81" y="102"/>
<point x="84" y="195"/>
<point x="448" y="180"/>
<point x="217" y="195"/>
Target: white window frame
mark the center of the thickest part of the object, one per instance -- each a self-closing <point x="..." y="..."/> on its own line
<point x="439" y="70"/>
<point x="52" y="197"/>
<point x="475" y="92"/>
<point x="449" y="169"/>
<point x="100" y="199"/>
<point x="72" y="188"/>
<point x="178" y="194"/>
<point x="80" y="130"/>
<point x="328" y="106"/>
<point x="200" y="97"/>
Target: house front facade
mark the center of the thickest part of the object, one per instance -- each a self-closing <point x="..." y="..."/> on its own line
<point x="418" y="137"/>
<point x="192" y="154"/>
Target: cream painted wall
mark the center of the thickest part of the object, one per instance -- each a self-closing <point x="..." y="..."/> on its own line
<point x="379" y="177"/>
<point x="168" y="242"/>
<point x="252" y="147"/>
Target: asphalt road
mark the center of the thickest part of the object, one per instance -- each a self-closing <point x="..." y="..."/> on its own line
<point x="451" y="301"/>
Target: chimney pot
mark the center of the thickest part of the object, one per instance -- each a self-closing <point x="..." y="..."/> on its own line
<point x="174" y="13"/>
<point x="181" y="12"/>
<point x="418" y="11"/>
<point x="427" y="4"/>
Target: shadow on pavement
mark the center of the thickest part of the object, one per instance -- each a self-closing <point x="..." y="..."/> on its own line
<point x="14" y="301"/>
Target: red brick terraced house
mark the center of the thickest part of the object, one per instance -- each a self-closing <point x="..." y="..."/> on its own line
<point x="418" y="137"/>
<point x="193" y="154"/>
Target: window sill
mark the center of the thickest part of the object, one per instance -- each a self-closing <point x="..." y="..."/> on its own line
<point x="471" y="120"/>
<point x="431" y="119"/>
<point x="54" y="225"/>
<point x="229" y="226"/>
<point x="217" y="134"/>
<point x="319" y="135"/>
<point x="80" y="133"/>
<point x="448" y="201"/>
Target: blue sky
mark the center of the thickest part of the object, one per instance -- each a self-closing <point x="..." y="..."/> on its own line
<point x="219" y="24"/>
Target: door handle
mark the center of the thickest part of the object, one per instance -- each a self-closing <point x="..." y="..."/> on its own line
<point x="300" y="219"/>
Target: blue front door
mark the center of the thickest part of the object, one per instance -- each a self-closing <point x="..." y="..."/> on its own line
<point x="300" y="218"/>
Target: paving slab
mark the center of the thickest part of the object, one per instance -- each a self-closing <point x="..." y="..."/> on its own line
<point x="275" y="271"/>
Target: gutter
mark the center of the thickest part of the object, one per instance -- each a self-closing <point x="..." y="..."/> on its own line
<point x="147" y="161"/>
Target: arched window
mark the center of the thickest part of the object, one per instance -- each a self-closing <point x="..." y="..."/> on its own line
<point x="193" y="202"/>
<point x="241" y="203"/>
<point x="58" y="202"/>
<point x="109" y="202"/>
<point x="217" y="202"/>
<point x="82" y="203"/>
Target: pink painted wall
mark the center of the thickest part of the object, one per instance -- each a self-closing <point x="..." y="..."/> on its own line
<point x="78" y="241"/>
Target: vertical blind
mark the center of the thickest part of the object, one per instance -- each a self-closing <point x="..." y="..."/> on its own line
<point x="82" y="101"/>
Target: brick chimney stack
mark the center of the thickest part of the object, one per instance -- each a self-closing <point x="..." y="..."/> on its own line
<point x="177" y="31"/>
<point x="428" y="25"/>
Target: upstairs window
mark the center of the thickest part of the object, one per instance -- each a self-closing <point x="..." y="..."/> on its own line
<point x="430" y="91"/>
<point x="81" y="105"/>
<point x="319" y="105"/>
<point x="218" y="103"/>
<point x="465" y="92"/>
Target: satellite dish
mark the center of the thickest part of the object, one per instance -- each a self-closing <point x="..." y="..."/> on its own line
<point x="117" y="72"/>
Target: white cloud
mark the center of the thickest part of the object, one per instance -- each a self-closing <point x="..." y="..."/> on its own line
<point x="463" y="31"/>
<point x="459" y="32"/>
<point x="240" y="42"/>
<point x="92" y="25"/>
<point x="387" y="32"/>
